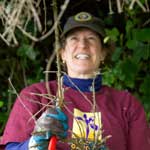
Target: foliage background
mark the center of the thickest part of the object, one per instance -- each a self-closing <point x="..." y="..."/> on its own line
<point x="130" y="67"/>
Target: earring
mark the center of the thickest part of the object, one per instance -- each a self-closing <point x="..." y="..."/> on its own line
<point x="102" y="62"/>
<point x="63" y="61"/>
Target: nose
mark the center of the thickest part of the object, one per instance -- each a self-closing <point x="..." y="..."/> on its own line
<point x="83" y="43"/>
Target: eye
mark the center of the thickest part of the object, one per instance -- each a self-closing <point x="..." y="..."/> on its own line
<point x="92" y="38"/>
<point x="73" y="38"/>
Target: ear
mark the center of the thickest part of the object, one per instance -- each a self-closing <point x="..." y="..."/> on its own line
<point x="104" y="53"/>
<point x="62" y="55"/>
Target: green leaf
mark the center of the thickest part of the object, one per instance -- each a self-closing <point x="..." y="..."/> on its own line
<point x="132" y="44"/>
<point x="129" y="70"/>
<point x="141" y="52"/>
<point x="141" y="34"/>
<point x="140" y="49"/>
<point x="144" y="88"/>
<point x="27" y="51"/>
<point x="31" y="53"/>
<point x="108" y="78"/>
<point x="3" y="116"/>
<point x="129" y="26"/>
<point x="1" y="104"/>
<point x="117" y="53"/>
<point x="113" y="34"/>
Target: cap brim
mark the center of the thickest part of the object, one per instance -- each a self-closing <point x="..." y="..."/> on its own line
<point x="82" y="26"/>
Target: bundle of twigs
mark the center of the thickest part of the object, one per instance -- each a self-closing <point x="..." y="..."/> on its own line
<point x="17" y="14"/>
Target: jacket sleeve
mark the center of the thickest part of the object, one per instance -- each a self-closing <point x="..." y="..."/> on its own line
<point x="20" y="123"/>
<point x="17" y="146"/>
<point x="138" y="131"/>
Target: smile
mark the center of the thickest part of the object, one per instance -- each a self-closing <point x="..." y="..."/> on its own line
<point x="82" y="56"/>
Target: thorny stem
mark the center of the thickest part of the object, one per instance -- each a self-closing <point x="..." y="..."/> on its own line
<point x="9" y="95"/>
<point x="57" y="48"/>
<point x="47" y="74"/>
<point x="94" y="98"/>
<point x="19" y="98"/>
<point x="94" y="111"/>
<point x="56" y="52"/>
<point x="50" y="97"/>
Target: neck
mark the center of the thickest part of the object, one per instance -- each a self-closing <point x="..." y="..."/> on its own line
<point x="84" y="76"/>
<point x="84" y="85"/>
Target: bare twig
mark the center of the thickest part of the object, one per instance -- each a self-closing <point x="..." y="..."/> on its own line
<point x="147" y="6"/>
<point x="139" y="3"/>
<point x="119" y="6"/>
<point x="18" y="14"/>
<point x="14" y="90"/>
<point x="27" y="34"/>
<point x="3" y="38"/>
<point x="110" y="7"/>
<point x="36" y="17"/>
<point x="57" y="48"/>
<point x="63" y="8"/>
<point x="48" y="66"/>
<point x="55" y="52"/>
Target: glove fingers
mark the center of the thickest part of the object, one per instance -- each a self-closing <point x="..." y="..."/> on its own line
<point x="65" y="126"/>
<point x="59" y="116"/>
<point x="40" y="136"/>
<point x="38" y="143"/>
<point x="63" y="134"/>
<point x="58" y="124"/>
<point x="52" y="122"/>
<point x="62" y="114"/>
<point x="56" y="113"/>
<point x="52" y="125"/>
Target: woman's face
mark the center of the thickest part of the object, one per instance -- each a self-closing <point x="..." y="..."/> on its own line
<point x="82" y="53"/>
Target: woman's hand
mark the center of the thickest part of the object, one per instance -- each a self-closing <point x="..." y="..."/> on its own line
<point x="52" y="122"/>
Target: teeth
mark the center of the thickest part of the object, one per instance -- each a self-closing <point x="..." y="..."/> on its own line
<point x="82" y="56"/>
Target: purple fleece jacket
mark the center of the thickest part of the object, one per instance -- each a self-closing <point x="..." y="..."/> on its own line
<point x="123" y="117"/>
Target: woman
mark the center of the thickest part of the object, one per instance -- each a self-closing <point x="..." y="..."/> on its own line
<point x="91" y="111"/>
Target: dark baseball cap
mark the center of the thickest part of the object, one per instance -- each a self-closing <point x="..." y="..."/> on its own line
<point x="84" y="19"/>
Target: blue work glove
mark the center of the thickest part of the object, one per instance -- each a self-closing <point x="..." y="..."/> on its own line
<point x="52" y="122"/>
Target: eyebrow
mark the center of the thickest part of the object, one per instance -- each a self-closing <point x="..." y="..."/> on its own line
<point x="89" y="34"/>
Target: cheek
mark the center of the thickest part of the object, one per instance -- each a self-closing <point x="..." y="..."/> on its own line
<point x="66" y="56"/>
<point x="68" y="51"/>
<point x="100" y="52"/>
<point x="98" y="56"/>
<point x="97" y="52"/>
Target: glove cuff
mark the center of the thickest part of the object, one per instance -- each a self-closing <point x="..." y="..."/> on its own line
<point x="32" y="144"/>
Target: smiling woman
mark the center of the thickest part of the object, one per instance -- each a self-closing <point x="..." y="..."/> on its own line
<point x="82" y="53"/>
<point x="93" y="117"/>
